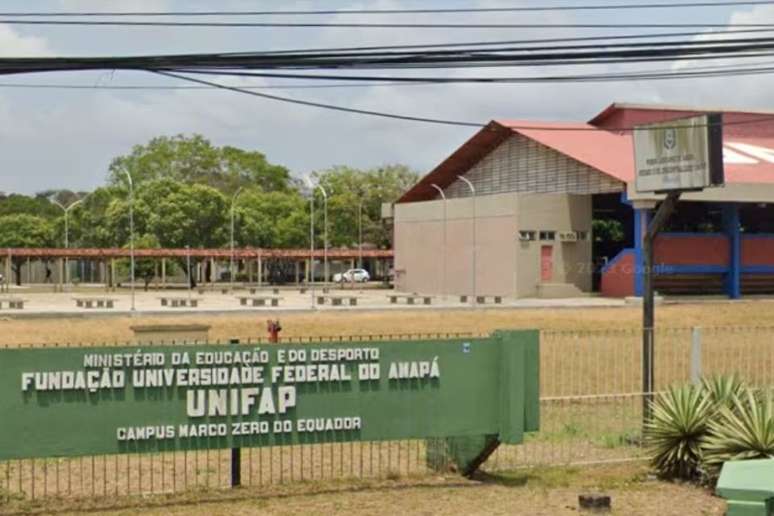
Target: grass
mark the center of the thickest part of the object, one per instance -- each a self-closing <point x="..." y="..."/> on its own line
<point x="116" y="328"/>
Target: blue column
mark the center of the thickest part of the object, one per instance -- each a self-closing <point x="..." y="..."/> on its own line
<point x="641" y="220"/>
<point x="731" y="227"/>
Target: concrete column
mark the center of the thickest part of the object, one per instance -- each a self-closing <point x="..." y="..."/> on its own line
<point x="731" y="227"/>
<point x="60" y="267"/>
<point x="298" y="271"/>
<point x="164" y="273"/>
<point x="260" y="270"/>
<point x="29" y="270"/>
<point x="113" y="273"/>
<point x="307" y="270"/>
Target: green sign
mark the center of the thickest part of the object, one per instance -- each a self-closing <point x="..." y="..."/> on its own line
<point x="100" y="400"/>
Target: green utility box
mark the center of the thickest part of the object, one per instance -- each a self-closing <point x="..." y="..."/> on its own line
<point x="748" y="486"/>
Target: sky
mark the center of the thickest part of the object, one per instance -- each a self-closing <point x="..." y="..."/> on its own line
<point x="67" y="138"/>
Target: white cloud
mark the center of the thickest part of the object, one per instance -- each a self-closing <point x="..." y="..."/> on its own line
<point x="12" y="44"/>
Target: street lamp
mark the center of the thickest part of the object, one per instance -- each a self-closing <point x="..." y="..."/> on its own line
<point x="325" y="234"/>
<point x="360" y="233"/>
<point x="443" y="278"/>
<point x="188" y="265"/>
<point x="231" y="266"/>
<point x="131" y="232"/>
<point x="66" y="211"/>
<point x="475" y="251"/>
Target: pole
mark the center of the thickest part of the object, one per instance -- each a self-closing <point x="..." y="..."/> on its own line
<point x="475" y="250"/>
<point x="188" y="265"/>
<point x="236" y="453"/>
<point x="325" y="235"/>
<point x="648" y="310"/>
<point x="360" y="234"/>
<point x="443" y="278"/>
<point x="231" y="265"/>
<point x="131" y="234"/>
<point x="66" y="211"/>
<point x="311" y="246"/>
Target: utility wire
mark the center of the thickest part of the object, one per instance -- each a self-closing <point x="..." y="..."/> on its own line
<point x="596" y="7"/>
<point x="437" y="121"/>
<point x="461" y="26"/>
<point x="320" y="104"/>
<point x="718" y="71"/>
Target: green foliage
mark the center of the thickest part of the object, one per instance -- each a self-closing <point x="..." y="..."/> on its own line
<point x="193" y="159"/>
<point x="694" y="429"/>
<point x="271" y="219"/>
<point x="38" y="206"/>
<point x="607" y="230"/>
<point x="743" y="430"/>
<point x="348" y="188"/>
<point x="23" y="230"/>
<point x="676" y="430"/>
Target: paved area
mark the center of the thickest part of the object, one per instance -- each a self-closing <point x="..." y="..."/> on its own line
<point x="41" y="301"/>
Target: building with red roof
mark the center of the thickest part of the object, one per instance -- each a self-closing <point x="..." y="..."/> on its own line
<point x="555" y="213"/>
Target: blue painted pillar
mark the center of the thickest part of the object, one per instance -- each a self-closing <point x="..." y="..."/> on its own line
<point x="641" y="220"/>
<point x="731" y="227"/>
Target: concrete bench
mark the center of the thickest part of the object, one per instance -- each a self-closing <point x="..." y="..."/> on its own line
<point x="411" y="299"/>
<point x="179" y="302"/>
<point x="256" y="290"/>
<point x="94" y="302"/>
<point x="482" y="300"/>
<point x="337" y="300"/>
<point x="259" y="300"/>
<point x="12" y="303"/>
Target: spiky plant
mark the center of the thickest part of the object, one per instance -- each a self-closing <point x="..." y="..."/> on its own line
<point x="742" y="431"/>
<point x="723" y="389"/>
<point x="676" y="430"/>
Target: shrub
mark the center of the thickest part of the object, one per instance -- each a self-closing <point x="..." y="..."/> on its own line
<point x="677" y="430"/>
<point x="742" y="431"/>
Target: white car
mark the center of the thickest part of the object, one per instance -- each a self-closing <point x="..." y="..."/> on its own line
<point x="352" y="276"/>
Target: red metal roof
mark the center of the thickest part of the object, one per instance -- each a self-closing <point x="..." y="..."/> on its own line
<point x="605" y="144"/>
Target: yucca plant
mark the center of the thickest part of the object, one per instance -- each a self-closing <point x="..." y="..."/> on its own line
<point x="742" y="431"/>
<point x="677" y="429"/>
<point x="723" y="389"/>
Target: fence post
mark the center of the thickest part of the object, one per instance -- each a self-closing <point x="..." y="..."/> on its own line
<point x="695" y="355"/>
<point x="236" y="453"/>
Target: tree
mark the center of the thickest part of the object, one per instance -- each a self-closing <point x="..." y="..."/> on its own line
<point x="144" y="268"/>
<point x="193" y="159"/>
<point x="347" y="187"/>
<point x="38" y="206"/>
<point x="24" y="231"/>
<point x="271" y="220"/>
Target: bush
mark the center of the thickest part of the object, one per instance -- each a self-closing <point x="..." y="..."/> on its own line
<point x="694" y="429"/>
<point x="677" y="429"/>
<point x="742" y="431"/>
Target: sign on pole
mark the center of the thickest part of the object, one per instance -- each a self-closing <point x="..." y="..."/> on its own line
<point x="103" y="400"/>
<point x="684" y="154"/>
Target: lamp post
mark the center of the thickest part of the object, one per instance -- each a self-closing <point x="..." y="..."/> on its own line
<point x="131" y="232"/>
<point x="475" y="251"/>
<point x="66" y="211"/>
<point x="360" y="233"/>
<point x="443" y="278"/>
<point x="231" y="265"/>
<point x="325" y="234"/>
<point x="188" y="266"/>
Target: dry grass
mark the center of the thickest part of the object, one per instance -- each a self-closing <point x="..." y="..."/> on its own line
<point x="110" y="328"/>
<point x="534" y="492"/>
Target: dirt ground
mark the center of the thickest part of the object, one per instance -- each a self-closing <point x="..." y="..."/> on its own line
<point x="535" y="492"/>
<point x="99" y="329"/>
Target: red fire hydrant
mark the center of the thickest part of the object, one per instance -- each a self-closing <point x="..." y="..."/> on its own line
<point x="273" y="327"/>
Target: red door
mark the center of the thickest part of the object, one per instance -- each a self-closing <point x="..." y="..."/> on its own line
<point x="546" y="263"/>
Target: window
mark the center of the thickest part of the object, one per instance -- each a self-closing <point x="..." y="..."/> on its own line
<point x="548" y="235"/>
<point x="527" y="235"/>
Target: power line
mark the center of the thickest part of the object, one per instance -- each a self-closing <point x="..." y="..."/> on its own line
<point x="320" y="104"/>
<point x="247" y="87"/>
<point x="462" y="10"/>
<point x="437" y="121"/>
<point x="301" y="25"/>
